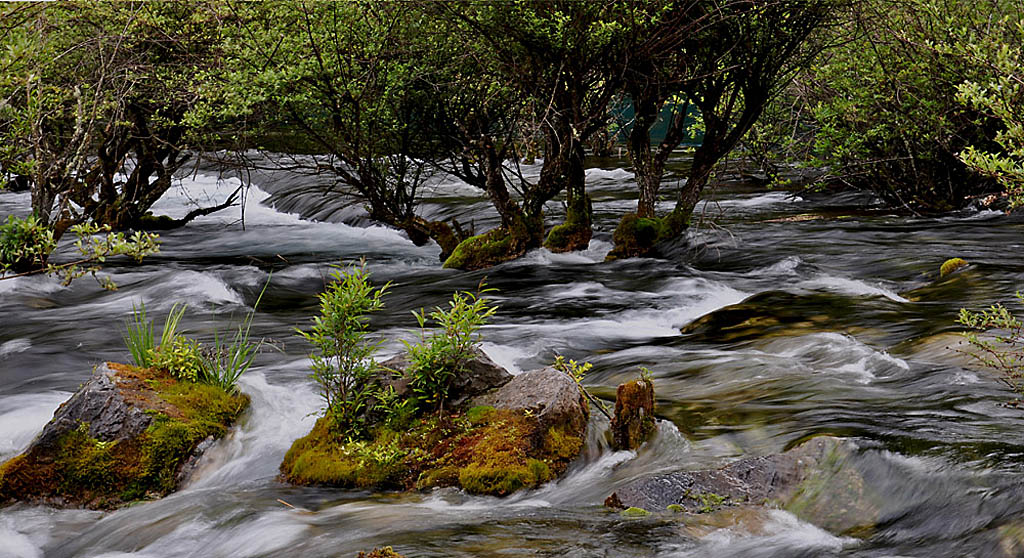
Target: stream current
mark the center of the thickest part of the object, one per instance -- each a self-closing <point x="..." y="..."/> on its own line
<point x="847" y="331"/>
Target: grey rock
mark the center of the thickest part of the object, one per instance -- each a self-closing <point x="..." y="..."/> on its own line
<point x="482" y="375"/>
<point x="101" y="405"/>
<point x="816" y="481"/>
<point x="551" y="397"/>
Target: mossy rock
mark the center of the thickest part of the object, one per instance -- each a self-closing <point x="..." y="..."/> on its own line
<point x="636" y="236"/>
<point x="481" y="450"/>
<point x="569" y="237"/>
<point x="129" y="433"/>
<point x="485" y="250"/>
<point x="952" y="265"/>
<point x="386" y="552"/>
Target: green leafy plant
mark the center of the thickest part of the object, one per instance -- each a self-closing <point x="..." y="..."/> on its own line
<point x="396" y="411"/>
<point x="443" y="354"/>
<point x="997" y="339"/>
<point x="575" y="370"/>
<point x="180" y="356"/>
<point x="342" y="363"/>
<point x="24" y="244"/>
<point x="138" y="336"/>
<point x="226" y="361"/>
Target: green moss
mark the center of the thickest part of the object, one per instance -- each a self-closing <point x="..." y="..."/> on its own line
<point x="634" y="512"/>
<point x="568" y="237"/>
<point x="82" y="470"/>
<point x="483" y="451"/>
<point x="952" y="265"/>
<point x="675" y="508"/>
<point x="485" y="250"/>
<point x="636" y="236"/>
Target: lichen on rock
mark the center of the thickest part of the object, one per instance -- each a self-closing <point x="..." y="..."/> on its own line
<point x="952" y="265"/>
<point x="127" y="434"/>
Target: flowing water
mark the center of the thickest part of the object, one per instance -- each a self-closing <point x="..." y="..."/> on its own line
<point x="846" y="331"/>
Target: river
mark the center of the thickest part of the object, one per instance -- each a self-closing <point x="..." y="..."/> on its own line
<point x="849" y="337"/>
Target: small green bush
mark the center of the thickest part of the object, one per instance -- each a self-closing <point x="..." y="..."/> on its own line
<point x="25" y="244"/>
<point x="226" y="361"/>
<point x="440" y="356"/>
<point x="180" y="357"/>
<point x="997" y="338"/>
<point x="343" y="365"/>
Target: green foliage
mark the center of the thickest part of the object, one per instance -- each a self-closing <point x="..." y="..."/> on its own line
<point x="25" y="244"/>
<point x="138" y="336"/>
<point x="997" y="339"/>
<point x="180" y="356"/>
<point x="226" y="360"/>
<point x="575" y="370"/>
<point x="395" y="411"/>
<point x="442" y="355"/>
<point x="903" y="105"/>
<point x="999" y="95"/>
<point x="343" y="362"/>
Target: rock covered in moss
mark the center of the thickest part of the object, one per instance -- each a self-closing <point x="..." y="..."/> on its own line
<point x="633" y="423"/>
<point x="816" y="481"/>
<point x="385" y="552"/>
<point x="126" y="434"/>
<point x="548" y="396"/>
<point x="524" y="433"/>
<point x="952" y="265"/>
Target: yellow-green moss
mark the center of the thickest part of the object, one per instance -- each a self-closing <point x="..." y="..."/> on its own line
<point x="484" y="451"/>
<point x="952" y="265"/>
<point x="636" y="236"/>
<point x="485" y="250"/>
<point x="81" y="470"/>
<point x="634" y="512"/>
<point x="385" y="552"/>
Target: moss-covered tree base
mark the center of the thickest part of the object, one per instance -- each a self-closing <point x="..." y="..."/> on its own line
<point x="489" y="249"/>
<point x="78" y="470"/>
<point x="483" y="451"/>
<point x="636" y="237"/>
<point x="633" y="423"/>
<point x="568" y="237"/>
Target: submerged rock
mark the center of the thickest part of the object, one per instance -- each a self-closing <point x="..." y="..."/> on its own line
<point x="633" y="423"/>
<point x="126" y="434"/>
<point x="519" y="435"/>
<point x="815" y="481"/>
<point x="385" y="552"/>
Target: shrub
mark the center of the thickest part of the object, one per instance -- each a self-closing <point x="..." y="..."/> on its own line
<point x="25" y="244"/>
<point x="442" y="355"/>
<point x="343" y="364"/>
<point x="997" y="338"/>
<point x="180" y="356"/>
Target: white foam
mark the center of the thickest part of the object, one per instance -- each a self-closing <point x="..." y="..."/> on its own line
<point x="785" y="266"/>
<point x="506" y="356"/>
<point x="849" y="286"/>
<point x="608" y="174"/>
<point x="596" y="252"/>
<point x="783" y="531"/>
<point x="23" y="416"/>
<point x="759" y="201"/>
<point x="15" y="543"/>
<point x="19" y="345"/>
<point x="838" y="354"/>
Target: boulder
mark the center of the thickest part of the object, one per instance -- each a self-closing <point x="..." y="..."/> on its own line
<point x="548" y="396"/>
<point x="126" y="434"/>
<point x="516" y="436"/>
<point x="481" y="375"/>
<point x="816" y="481"/>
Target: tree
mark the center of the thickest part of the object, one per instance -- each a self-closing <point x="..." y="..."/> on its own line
<point x="351" y="78"/>
<point x="98" y="102"/>
<point x="728" y="60"/>
<point x="883" y="105"/>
